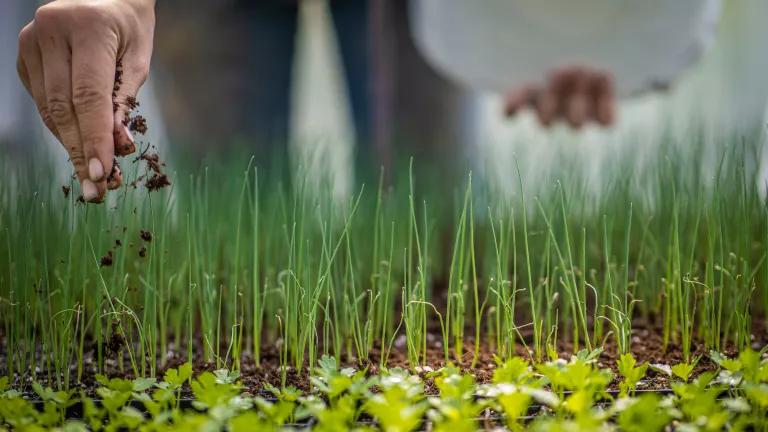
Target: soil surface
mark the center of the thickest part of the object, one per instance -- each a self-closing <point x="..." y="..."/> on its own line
<point x="647" y="346"/>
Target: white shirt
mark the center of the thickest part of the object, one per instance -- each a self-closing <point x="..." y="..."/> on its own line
<point x="498" y="45"/>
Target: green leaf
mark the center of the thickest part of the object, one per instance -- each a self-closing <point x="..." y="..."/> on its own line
<point x="175" y="378"/>
<point x="683" y="371"/>
<point x="117" y="384"/>
<point x="643" y="414"/>
<point x="515" y="370"/>
<point x="131" y="417"/>
<point x="209" y="393"/>
<point x="142" y="384"/>
<point x="589" y="356"/>
<point x="327" y="365"/>
<point x="46" y="394"/>
<point x="246" y="422"/>
<point x="224" y="376"/>
<point x="631" y="374"/>
<point x="515" y="405"/>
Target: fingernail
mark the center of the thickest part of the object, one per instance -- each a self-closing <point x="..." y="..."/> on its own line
<point x="95" y="169"/>
<point x="128" y="133"/>
<point x="126" y="145"/>
<point x="90" y="192"/>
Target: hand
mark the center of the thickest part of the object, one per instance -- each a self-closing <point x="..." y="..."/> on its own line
<point x="68" y="57"/>
<point x="575" y="94"/>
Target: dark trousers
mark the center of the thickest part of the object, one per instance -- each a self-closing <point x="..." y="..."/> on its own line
<point x="271" y="39"/>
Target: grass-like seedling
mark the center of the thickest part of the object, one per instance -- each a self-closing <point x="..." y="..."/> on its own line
<point x="253" y="269"/>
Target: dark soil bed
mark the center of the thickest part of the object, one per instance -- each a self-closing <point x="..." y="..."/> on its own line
<point x="647" y="346"/>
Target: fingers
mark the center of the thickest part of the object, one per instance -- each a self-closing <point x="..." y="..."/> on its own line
<point x="577" y="103"/>
<point x="604" y="99"/>
<point x="30" y="65"/>
<point x="574" y="94"/>
<point x="92" y="81"/>
<point x="57" y="64"/>
<point x="547" y="103"/>
<point x="519" y="99"/>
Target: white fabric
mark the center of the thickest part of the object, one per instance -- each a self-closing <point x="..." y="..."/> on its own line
<point x="720" y="99"/>
<point x="498" y="45"/>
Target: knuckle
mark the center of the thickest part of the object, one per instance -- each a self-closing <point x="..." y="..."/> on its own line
<point x="60" y="15"/>
<point x="59" y="109"/>
<point x="85" y="96"/>
<point x="45" y="114"/>
<point x="24" y="36"/>
<point x="100" y="146"/>
<point x="47" y="14"/>
<point x="140" y="69"/>
<point x="77" y="158"/>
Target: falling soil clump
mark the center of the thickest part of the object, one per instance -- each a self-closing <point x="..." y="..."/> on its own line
<point x="143" y="252"/>
<point x="159" y="179"/>
<point x="116" y="341"/>
<point x="138" y="124"/>
<point x="145" y="235"/>
<point x="66" y="190"/>
<point x="155" y="178"/>
<point x="153" y="162"/>
<point x="107" y="260"/>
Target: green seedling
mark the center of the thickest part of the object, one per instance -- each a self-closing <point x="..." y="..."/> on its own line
<point x="641" y="414"/>
<point x="457" y="408"/>
<point x="630" y="372"/>
<point x="684" y="370"/>
<point x="513" y="371"/>
<point x="400" y="405"/>
<point x="574" y="376"/>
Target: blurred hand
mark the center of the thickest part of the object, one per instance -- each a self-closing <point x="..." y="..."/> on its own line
<point x="68" y="57"/>
<point x="574" y="94"/>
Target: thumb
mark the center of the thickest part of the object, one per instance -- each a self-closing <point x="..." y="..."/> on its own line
<point x="130" y="75"/>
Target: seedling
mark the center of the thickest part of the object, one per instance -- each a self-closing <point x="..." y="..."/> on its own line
<point x="278" y="272"/>
<point x="684" y="370"/>
<point x="630" y="373"/>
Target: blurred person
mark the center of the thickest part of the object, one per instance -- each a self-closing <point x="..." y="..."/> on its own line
<point x="240" y="56"/>
<point x="560" y="58"/>
<point x="585" y="51"/>
<point x="249" y="60"/>
<point x="688" y="73"/>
